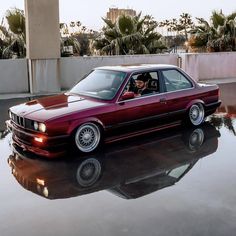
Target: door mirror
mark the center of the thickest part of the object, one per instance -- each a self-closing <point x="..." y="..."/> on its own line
<point x="127" y="96"/>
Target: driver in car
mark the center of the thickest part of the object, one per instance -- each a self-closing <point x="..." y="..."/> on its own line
<point x="141" y="85"/>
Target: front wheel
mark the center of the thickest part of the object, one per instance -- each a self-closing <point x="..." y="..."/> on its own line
<point x="88" y="137"/>
<point x="196" y="114"/>
<point x="88" y="172"/>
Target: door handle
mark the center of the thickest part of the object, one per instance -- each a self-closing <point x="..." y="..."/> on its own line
<point x="163" y="100"/>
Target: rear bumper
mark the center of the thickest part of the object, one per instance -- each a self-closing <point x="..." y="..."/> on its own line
<point x="51" y="147"/>
<point x="211" y="107"/>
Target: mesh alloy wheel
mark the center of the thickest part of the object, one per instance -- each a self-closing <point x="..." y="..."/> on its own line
<point x="196" y="139"/>
<point x="196" y="114"/>
<point x="88" y="172"/>
<point x="87" y="137"/>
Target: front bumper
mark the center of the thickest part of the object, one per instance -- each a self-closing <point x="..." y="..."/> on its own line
<point x="51" y="147"/>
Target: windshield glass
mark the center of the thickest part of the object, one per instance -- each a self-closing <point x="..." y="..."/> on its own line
<point x="102" y="84"/>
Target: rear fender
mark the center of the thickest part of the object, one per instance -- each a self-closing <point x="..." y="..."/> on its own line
<point x="194" y="102"/>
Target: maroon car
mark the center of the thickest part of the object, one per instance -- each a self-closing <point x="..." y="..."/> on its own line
<point x="109" y="104"/>
<point x="165" y="157"/>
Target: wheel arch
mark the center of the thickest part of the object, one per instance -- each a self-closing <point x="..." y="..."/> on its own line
<point x="196" y="118"/>
<point x="74" y="126"/>
<point x="195" y="101"/>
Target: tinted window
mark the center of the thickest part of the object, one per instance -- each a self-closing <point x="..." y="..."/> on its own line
<point x="102" y="84"/>
<point x="174" y="80"/>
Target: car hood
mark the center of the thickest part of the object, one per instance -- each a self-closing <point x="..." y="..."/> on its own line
<point x="46" y="108"/>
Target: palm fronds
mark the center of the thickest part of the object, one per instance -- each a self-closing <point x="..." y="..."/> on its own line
<point x="129" y="35"/>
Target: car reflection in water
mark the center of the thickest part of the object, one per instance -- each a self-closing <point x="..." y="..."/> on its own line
<point x="129" y="170"/>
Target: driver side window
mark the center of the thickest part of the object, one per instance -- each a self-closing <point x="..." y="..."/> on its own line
<point x="143" y="84"/>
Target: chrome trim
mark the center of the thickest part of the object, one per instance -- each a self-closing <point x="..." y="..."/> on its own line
<point x="156" y="94"/>
<point x="137" y="98"/>
<point x="180" y="90"/>
<point x="18" y="120"/>
<point x="157" y="70"/>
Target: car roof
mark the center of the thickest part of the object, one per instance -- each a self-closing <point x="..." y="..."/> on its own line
<point x="136" y="67"/>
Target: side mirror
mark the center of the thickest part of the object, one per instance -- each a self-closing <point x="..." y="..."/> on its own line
<point x="127" y="96"/>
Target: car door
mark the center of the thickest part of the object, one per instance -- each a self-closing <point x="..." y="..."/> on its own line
<point x="143" y="110"/>
<point x="179" y="92"/>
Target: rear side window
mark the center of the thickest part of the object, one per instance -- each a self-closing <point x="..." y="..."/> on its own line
<point x="174" y="80"/>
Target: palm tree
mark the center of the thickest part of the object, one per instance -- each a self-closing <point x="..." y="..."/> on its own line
<point x="68" y="40"/>
<point x="64" y="30"/>
<point x="16" y="21"/>
<point x="218" y="35"/>
<point x="185" y="24"/>
<point x="129" y="35"/>
<point x="200" y="35"/>
<point x="78" y="24"/>
<point x="72" y="25"/>
<point x="84" y="28"/>
<point x="14" y="37"/>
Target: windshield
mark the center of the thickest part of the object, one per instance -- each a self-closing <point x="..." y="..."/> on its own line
<point x="102" y="84"/>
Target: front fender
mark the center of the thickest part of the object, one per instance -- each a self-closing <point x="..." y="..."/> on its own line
<point x="75" y="124"/>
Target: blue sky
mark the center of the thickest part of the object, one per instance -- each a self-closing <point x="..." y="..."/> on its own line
<point x="89" y="12"/>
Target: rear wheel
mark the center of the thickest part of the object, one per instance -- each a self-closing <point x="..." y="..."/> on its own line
<point x="196" y="139"/>
<point x="196" y="114"/>
<point x="88" y="137"/>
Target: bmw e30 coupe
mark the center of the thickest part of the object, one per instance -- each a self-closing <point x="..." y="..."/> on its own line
<point x="110" y="104"/>
<point x="165" y="157"/>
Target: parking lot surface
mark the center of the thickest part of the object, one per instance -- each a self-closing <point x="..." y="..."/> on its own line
<point x="179" y="181"/>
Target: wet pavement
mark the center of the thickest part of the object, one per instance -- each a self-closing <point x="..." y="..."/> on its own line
<point x="175" y="182"/>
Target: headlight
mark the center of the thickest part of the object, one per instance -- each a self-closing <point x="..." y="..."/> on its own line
<point x="45" y="192"/>
<point x="42" y="127"/>
<point x="36" y="125"/>
<point x="10" y="115"/>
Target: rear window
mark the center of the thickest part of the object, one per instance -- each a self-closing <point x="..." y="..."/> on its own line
<point x="174" y="80"/>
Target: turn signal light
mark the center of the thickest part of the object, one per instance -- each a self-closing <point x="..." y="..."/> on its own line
<point x="40" y="181"/>
<point x="39" y="140"/>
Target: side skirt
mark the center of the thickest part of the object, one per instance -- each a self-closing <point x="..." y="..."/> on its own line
<point x="132" y="134"/>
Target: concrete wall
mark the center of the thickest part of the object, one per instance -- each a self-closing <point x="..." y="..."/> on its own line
<point x="73" y="68"/>
<point x="43" y="45"/>
<point x="14" y="76"/>
<point x="44" y="76"/>
<point x="42" y="29"/>
<point x="51" y="74"/>
<point x="206" y="66"/>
